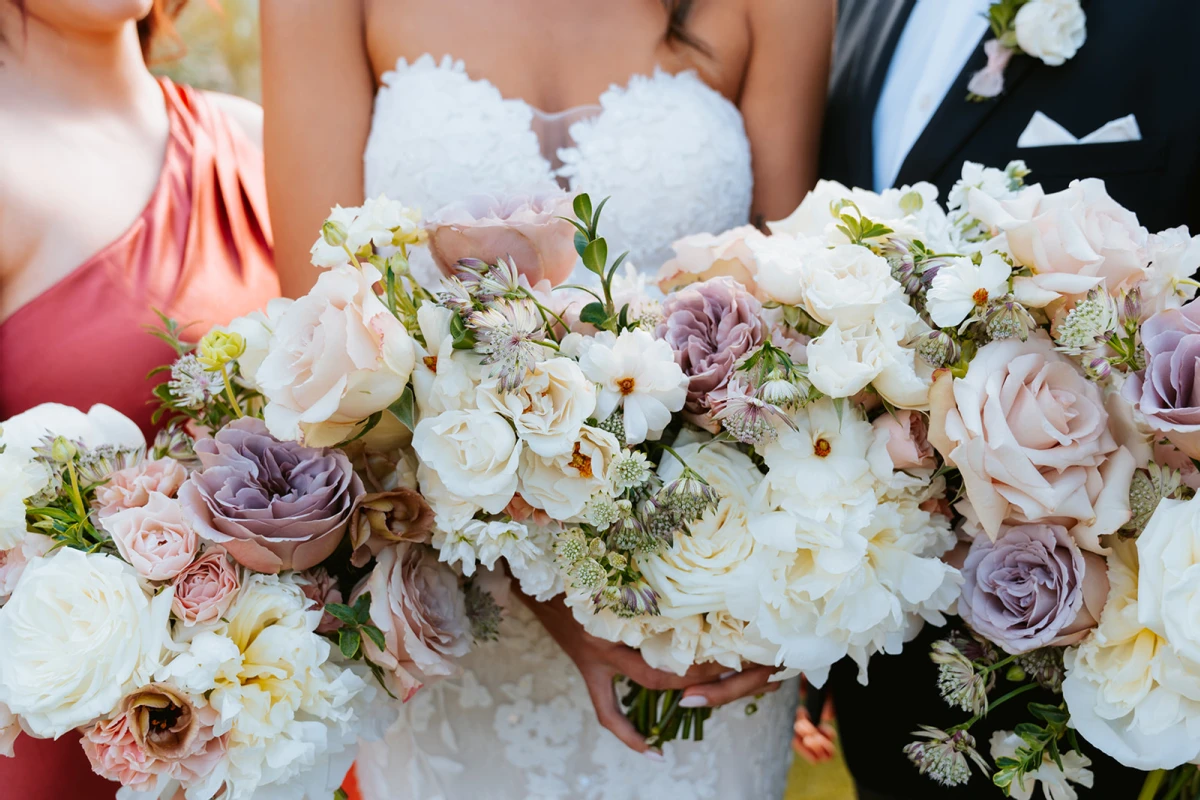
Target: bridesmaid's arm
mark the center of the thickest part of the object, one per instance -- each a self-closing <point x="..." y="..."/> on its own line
<point x="783" y="99"/>
<point x="318" y="90"/>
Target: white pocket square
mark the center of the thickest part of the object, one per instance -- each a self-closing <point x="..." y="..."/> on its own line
<point x="1044" y="132"/>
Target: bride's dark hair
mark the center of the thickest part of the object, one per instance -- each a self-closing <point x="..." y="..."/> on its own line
<point x="160" y="20"/>
<point x="677" y="30"/>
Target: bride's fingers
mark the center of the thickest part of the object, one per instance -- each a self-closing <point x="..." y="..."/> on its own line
<point x="608" y="713"/>
<point x="756" y="680"/>
<point x="629" y="662"/>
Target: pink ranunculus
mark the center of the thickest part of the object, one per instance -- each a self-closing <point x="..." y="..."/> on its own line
<point x="1072" y="240"/>
<point x="703" y="256"/>
<point x="116" y="755"/>
<point x="154" y="538"/>
<point x="14" y="561"/>
<point x="907" y="441"/>
<point x="417" y="603"/>
<point x="526" y="228"/>
<point x="321" y="587"/>
<point x="205" y="589"/>
<point x="132" y="487"/>
<point x="1029" y="434"/>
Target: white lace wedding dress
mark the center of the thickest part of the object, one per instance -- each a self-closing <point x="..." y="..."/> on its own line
<point x="518" y="724"/>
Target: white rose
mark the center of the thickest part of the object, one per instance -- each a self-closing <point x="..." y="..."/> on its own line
<point x="1052" y="30"/>
<point x="841" y="362"/>
<point x="337" y="356"/>
<point x="444" y="379"/>
<point x="561" y="485"/>
<point x="1169" y="577"/>
<point x="846" y="284"/>
<point x="256" y="329"/>
<point x="780" y="264"/>
<point x="474" y="453"/>
<point x="77" y="634"/>
<point x="904" y="378"/>
<point x="1174" y="258"/>
<point x="548" y="409"/>
<point x="450" y="511"/>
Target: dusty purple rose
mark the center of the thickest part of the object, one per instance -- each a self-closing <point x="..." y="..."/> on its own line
<point x="1166" y="392"/>
<point x="1033" y="587"/>
<point x="272" y="505"/>
<point x="710" y="325"/>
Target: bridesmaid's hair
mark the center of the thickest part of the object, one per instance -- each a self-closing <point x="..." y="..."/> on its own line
<point x="678" y="12"/>
<point x="160" y="20"/>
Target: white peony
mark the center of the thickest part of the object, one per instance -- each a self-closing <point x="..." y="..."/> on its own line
<point x="638" y="374"/>
<point x="561" y="485"/>
<point x="846" y="284"/>
<point x="337" y="356"/>
<point x="1169" y="579"/>
<point x="1051" y="30"/>
<point x="474" y="453"/>
<point x="549" y="407"/>
<point x="960" y="288"/>
<point x="1056" y="782"/>
<point x="78" y="633"/>
<point x="444" y="379"/>
<point x="19" y="480"/>
<point x="10" y="729"/>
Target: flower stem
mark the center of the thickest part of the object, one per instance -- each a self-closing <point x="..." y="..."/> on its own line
<point x="237" y="409"/>
<point x="991" y="706"/>
<point x="1153" y="782"/>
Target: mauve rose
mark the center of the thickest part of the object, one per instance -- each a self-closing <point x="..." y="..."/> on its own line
<point x="703" y="256"/>
<point x="907" y="442"/>
<point x="417" y="603"/>
<point x="385" y="518"/>
<point x="1166" y="390"/>
<point x="710" y="325"/>
<point x="1033" y="587"/>
<point x="320" y="587"/>
<point x="132" y="487"/>
<point x="205" y="589"/>
<point x="1029" y="434"/>
<point x="154" y="537"/>
<point x="525" y="228"/>
<point x="272" y="505"/>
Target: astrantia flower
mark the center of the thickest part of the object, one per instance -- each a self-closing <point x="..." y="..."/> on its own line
<point x="601" y="512"/>
<point x="508" y="334"/>
<point x="628" y="470"/>
<point x="688" y="497"/>
<point x="499" y="279"/>
<point x="944" y="756"/>
<point x="962" y="288"/>
<point x="960" y="684"/>
<point x="1005" y="318"/>
<point x="192" y="385"/>
<point x="1085" y="325"/>
<point x="938" y="349"/>
<point x="638" y="374"/>
<point x="748" y="419"/>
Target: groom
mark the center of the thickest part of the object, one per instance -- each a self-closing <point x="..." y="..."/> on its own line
<point x="898" y="113"/>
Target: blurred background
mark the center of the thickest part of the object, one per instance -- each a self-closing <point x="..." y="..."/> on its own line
<point x="219" y="49"/>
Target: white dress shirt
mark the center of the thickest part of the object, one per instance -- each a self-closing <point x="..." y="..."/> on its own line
<point x="936" y="43"/>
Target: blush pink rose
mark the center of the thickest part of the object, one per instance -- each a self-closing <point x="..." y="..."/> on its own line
<point x="14" y="561"/>
<point x="116" y="755"/>
<point x="526" y="228"/>
<point x="907" y="439"/>
<point x="205" y="589"/>
<point x="703" y="256"/>
<point x="154" y="538"/>
<point x="1029" y="434"/>
<point x="132" y="487"/>
<point x="1072" y="240"/>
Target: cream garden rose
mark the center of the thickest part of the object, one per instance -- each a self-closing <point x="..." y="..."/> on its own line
<point x="77" y="634"/>
<point x="548" y="409"/>
<point x="562" y="484"/>
<point x="336" y="357"/>
<point x="846" y="284"/>
<point x="1051" y="30"/>
<point x="475" y="455"/>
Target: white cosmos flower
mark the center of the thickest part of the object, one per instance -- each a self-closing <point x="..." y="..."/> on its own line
<point x="638" y="374"/>
<point x="1055" y="786"/>
<point x="960" y="287"/>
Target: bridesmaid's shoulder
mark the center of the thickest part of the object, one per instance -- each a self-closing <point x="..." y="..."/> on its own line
<point x="247" y="114"/>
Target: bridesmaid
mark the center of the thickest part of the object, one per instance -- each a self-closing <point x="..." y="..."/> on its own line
<point x="120" y="193"/>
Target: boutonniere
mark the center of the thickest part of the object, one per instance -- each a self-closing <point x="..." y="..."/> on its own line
<point x="1051" y="30"/>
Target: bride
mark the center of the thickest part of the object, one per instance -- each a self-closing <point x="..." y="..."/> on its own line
<point x="693" y="115"/>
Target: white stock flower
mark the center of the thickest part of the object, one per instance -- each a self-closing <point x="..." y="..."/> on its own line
<point x="1051" y="30"/>
<point x="507" y="540"/>
<point x="337" y="356"/>
<point x="562" y="484"/>
<point x="1055" y="785"/>
<point x="1174" y="258"/>
<point x="846" y="284"/>
<point x="444" y="379"/>
<point x="474" y="453"/>
<point x="549" y="407"/>
<point x="962" y="287"/>
<point x="78" y="633"/>
<point x="994" y="183"/>
<point x="638" y="374"/>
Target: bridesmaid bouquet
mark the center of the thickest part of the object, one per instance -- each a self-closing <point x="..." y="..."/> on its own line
<point x="222" y="613"/>
<point x="669" y="464"/>
<point x="1035" y="354"/>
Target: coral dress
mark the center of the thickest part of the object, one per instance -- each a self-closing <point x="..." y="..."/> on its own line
<point x="200" y="252"/>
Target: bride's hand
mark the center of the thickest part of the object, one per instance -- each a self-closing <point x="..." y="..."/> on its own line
<point x="600" y="661"/>
<point x="750" y="682"/>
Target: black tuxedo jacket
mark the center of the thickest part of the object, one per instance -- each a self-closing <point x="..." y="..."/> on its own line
<point x="1141" y="57"/>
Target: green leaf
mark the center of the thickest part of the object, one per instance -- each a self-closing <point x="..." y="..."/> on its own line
<point x="1048" y="713"/>
<point x="595" y="256"/>
<point x="458" y="328"/>
<point x="362" y="608"/>
<point x="616" y="265"/>
<point x="367" y="427"/>
<point x="839" y="405"/>
<point x="596" y="217"/>
<point x="342" y="613"/>
<point x="349" y="641"/>
<point x="593" y="314"/>
<point x="581" y="243"/>
<point x="405" y="409"/>
<point x="623" y="319"/>
<point x="375" y="635"/>
<point x="583" y="207"/>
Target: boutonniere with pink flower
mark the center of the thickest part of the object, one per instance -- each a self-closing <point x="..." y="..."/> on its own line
<point x="1051" y="30"/>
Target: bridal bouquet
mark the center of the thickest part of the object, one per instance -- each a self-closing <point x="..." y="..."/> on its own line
<point x="223" y="612"/>
<point x="1047" y="348"/>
